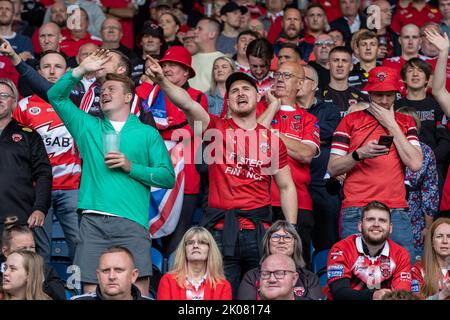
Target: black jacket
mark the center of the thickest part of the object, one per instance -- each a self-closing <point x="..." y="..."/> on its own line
<point x="25" y="173"/>
<point x="342" y="25"/>
<point x="97" y="295"/>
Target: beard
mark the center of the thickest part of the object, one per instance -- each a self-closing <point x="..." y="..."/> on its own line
<point x="6" y="21"/>
<point x="374" y="241"/>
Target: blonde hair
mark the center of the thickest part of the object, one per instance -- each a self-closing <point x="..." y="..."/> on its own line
<point x="430" y="263"/>
<point x="413" y="113"/>
<point x="213" y="87"/>
<point x="34" y="266"/>
<point x="214" y="263"/>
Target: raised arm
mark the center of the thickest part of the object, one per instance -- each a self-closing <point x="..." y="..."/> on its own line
<point x="193" y="110"/>
<point x="440" y="93"/>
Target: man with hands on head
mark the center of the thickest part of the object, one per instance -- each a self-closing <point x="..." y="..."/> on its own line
<point x="375" y="171"/>
<point x="246" y="155"/>
<point x="115" y="187"/>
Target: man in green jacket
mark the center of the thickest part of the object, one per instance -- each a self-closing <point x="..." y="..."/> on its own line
<point x="115" y="186"/>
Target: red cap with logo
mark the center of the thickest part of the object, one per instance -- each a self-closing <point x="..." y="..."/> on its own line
<point x="181" y="55"/>
<point x="382" y="79"/>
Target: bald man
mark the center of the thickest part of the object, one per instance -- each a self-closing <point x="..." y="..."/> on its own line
<point x="49" y="36"/>
<point x="278" y="277"/>
<point x="299" y="131"/>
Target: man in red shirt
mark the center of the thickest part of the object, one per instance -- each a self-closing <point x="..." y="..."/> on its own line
<point x="299" y="131"/>
<point x="367" y="266"/>
<point x="376" y="170"/>
<point x="418" y="12"/>
<point x="244" y="156"/>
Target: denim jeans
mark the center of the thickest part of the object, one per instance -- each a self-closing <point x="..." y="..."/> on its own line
<point x="64" y="206"/>
<point x="402" y="233"/>
<point x="246" y="257"/>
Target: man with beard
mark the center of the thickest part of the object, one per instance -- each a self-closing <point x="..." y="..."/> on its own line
<point x="366" y="266"/>
<point x="292" y="26"/>
<point x="243" y="158"/>
<point x="20" y="43"/>
<point x="376" y="170"/>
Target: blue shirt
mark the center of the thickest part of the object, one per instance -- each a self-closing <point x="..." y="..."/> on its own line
<point x="215" y="102"/>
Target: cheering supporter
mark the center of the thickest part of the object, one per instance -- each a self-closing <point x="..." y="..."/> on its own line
<point x="338" y="90"/>
<point x="292" y="26"/>
<point x="260" y="54"/>
<point x="234" y="215"/>
<point x="174" y="127"/>
<point x="222" y="68"/>
<point x="16" y="237"/>
<point x="315" y="21"/>
<point x="300" y="133"/>
<point x="205" y="36"/>
<point x="431" y="274"/>
<point x="78" y="33"/>
<point x="230" y="16"/>
<point x="170" y="25"/>
<point x="350" y="21"/>
<point x="36" y="113"/>
<point x="60" y="10"/>
<point x="369" y="265"/>
<point x="326" y="206"/>
<point x="423" y="191"/>
<point x="322" y="47"/>
<point x="366" y="48"/>
<point x="21" y="44"/>
<point x="23" y="277"/>
<point x="380" y="166"/>
<point x="278" y="278"/>
<point x="282" y="238"/>
<point x="25" y="170"/>
<point x="197" y="272"/>
<point x="117" y="275"/>
<point x="129" y="165"/>
<point x="242" y="41"/>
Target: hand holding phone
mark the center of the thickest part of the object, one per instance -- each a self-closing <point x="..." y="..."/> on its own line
<point x="386" y="141"/>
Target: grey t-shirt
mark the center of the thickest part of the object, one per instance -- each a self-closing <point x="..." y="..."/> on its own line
<point x="226" y="45"/>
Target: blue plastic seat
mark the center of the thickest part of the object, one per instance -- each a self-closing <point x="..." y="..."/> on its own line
<point x="157" y="259"/>
<point x="319" y="261"/>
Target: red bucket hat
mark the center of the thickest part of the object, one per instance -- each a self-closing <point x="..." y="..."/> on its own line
<point x="382" y="79"/>
<point x="179" y="55"/>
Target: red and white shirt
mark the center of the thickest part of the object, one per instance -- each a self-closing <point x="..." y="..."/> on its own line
<point x="264" y="84"/>
<point x="244" y="162"/>
<point x="418" y="277"/>
<point x="296" y="123"/>
<point x="381" y="178"/>
<point x="62" y="152"/>
<point x="391" y="269"/>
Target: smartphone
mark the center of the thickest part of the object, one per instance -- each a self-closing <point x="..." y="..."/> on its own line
<point x="386" y="141"/>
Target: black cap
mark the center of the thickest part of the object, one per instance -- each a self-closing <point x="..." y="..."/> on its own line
<point x="232" y="6"/>
<point x="239" y="76"/>
<point x="154" y="30"/>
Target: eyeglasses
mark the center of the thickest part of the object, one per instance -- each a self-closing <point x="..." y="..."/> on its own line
<point x="324" y="43"/>
<point x="193" y="242"/>
<point x="5" y="96"/>
<point x="277" y="237"/>
<point x="285" y="75"/>
<point x="279" y="274"/>
<point x="311" y="79"/>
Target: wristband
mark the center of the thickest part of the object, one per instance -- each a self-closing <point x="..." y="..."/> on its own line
<point x="355" y="156"/>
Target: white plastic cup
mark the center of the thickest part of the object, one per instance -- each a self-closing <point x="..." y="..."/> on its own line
<point x="111" y="142"/>
<point x="208" y="9"/>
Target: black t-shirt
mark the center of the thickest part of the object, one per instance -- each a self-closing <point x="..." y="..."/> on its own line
<point x="343" y="99"/>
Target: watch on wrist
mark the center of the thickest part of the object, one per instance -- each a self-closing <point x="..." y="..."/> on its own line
<point x="355" y="156"/>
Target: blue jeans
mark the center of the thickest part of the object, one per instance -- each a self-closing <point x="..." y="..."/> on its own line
<point x="64" y="206"/>
<point x="402" y="233"/>
<point x="246" y="257"/>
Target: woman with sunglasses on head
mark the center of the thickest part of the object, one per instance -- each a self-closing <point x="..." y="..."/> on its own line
<point x="197" y="272"/>
<point x="282" y="238"/>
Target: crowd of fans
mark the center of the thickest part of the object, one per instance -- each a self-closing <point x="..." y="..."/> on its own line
<point x="304" y="127"/>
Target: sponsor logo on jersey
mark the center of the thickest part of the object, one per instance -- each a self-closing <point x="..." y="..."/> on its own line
<point x="335" y="271"/>
<point x="405" y="276"/>
<point x="297" y="117"/>
<point x="334" y="255"/>
<point x="296" y="125"/>
<point x="264" y="147"/>
<point x="16" y="137"/>
<point x="415" y="287"/>
<point x="284" y="117"/>
<point x="50" y="110"/>
<point x="27" y="129"/>
<point x="34" y="111"/>
<point x="274" y="121"/>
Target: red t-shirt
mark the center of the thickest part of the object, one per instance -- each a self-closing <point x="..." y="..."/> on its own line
<point x="418" y="277"/>
<point x="296" y="123"/>
<point x="381" y="178"/>
<point x="70" y="47"/>
<point x="332" y="9"/>
<point x="184" y="131"/>
<point x="169" y="289"/>
<point x="7" y="70"/>
<point x="244" y="162"/>
<point x="410" y="14"/>
<point x="390" y="270"/>
<point x="64" y="156"/>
